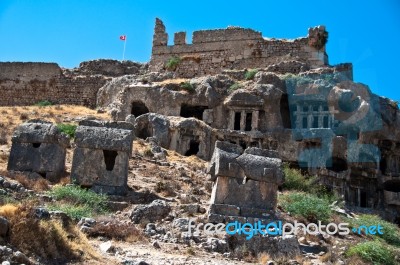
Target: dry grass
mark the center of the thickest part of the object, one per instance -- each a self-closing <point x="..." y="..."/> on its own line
<point x="13" y="116"/>
<point x="173" y="81"/>
<point x="39" y="184"/>
<point x="8" y="210"/>
<point x="49" y="239"/>
<point x="127" y="232"/>
<point x="263" y="258"/>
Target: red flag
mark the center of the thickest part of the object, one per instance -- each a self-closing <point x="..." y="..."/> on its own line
<point x="122" y="37"/>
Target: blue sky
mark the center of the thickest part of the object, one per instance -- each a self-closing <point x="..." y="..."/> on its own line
<point x="366" y="33"/>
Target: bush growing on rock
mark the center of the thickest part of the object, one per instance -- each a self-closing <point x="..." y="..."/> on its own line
<point x="307" y="206"/>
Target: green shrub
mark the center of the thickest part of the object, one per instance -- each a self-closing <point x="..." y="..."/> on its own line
<point x="43" y="103"/>
<point x="234" y="87"/>
<point x="308" y="206"/>
<point x="68" y="129"/>
<point x="295" y="180"/>
<point x="391" y="233"/>
<point x="187" y="86"/>
<point x="173" y="63"/>
<point x="78" y="202"/>
<point x="249" y="75"/>
<point x="373" y="251"/>
<point x="74" y="211"/>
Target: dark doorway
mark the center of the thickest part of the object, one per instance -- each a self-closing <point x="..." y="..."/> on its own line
<point x="363" y="199"/>
<point x="36" y="145"/>
<point x="144" y="133"/>
<point x="237" y="121"/>
<point x="109" y="159"/>
<point x="285" y="111"/>
<point x="188" y="111"/>
<point x="336" y="164"/>
<point x="325" y="122"/>
<point x="249" y="118"/>
<point x="315" y="122"/>
<point x="242" y="144"/>
<point x="139" y="108"/>
<point x="305" y="123"/>
<point x="383" y="165"/>
<point x="193" y="148"/>
<point x="392" y="185"/>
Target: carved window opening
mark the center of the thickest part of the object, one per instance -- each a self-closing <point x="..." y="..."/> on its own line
<point x="305" y="123"/>
<point x="285" y="113"/>
<point x="36" y="145"/>
<point x="109" y="159"/>
<point x="315" y="122"/>
<point x="325" y="122"/>
<point x="188" y="111"/>
<point x="193" y="148"/>
<point x="249" y="118"/>
<point x="139" y="108"/>
<point x="237" y="121"/>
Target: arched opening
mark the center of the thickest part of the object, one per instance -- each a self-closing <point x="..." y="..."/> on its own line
<point x="139" y="108"/>
<point x="188" y="111"/>
<point x="109" y="159"/>
<point x="193" y="148"/>
<point x="285" y="112"/>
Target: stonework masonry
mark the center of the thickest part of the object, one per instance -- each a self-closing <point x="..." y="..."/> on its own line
<point x="231" y="48"/>
<point x="28" y="83"/>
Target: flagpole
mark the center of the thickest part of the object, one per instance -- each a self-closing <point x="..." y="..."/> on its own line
<point x="123" y="54"/>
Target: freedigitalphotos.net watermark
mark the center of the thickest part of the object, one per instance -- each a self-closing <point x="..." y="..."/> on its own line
<point x="278" y="228"/>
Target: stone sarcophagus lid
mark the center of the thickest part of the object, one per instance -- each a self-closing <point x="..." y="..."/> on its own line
<point x="245" y="182"/>
<point x="39" y="146"/>
<point x="101" y="156"/>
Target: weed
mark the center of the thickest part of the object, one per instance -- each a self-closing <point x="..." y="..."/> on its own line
<point x="43" y="103"/>
<point x="249" y="75"/>
<point x="78" y="202"/>
<point x="391" y="233"/>
<point x="373" y="251"/>
<point x="234" y="87"/>
<point x="187" y="86"/>
<point x="68" y="129"/>
<point x="173" y="63"/>
<point x="308" y="206"/>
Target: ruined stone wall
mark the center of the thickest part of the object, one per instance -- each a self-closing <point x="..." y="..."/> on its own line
<point x="29" y="83"/>
<point x="231" y="48"/>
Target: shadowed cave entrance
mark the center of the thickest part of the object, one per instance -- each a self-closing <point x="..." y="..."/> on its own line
<point x="193" y="148"/>
<point x="109" y="159"/>
<point x="188" y="111"/>
<point x="139" y="108"/>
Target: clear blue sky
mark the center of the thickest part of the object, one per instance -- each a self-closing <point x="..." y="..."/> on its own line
<point x="366" y="33"/>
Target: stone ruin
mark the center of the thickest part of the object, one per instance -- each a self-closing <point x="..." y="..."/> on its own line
<point x="39" y="146"/>
<point x="246" y="182"/>
<point x="101" y="156"/>
<point x="232" y="48"/>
